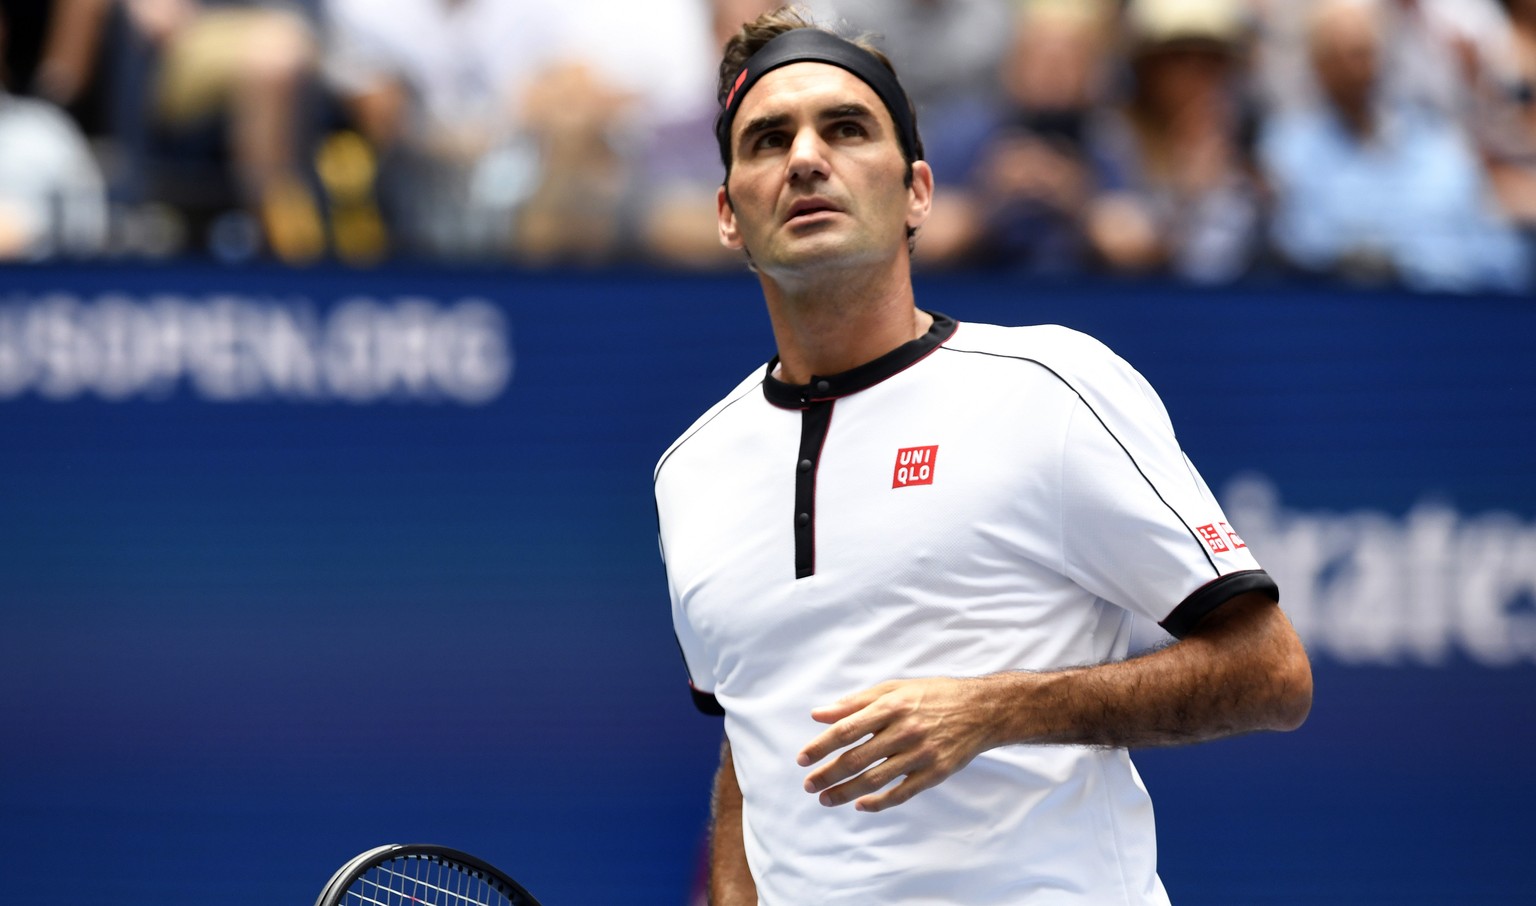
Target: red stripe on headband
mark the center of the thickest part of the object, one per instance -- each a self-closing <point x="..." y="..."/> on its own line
<point x="736" y="87"/>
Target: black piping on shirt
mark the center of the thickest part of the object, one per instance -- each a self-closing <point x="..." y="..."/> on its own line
<point x="1207" y="597"/>
<point x="1119" y="443"/>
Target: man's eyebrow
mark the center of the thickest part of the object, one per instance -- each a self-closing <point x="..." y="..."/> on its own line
<point x="762" y="124"/>
<point x="852" y="110"/>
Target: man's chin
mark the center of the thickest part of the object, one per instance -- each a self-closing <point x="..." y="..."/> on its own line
<point x="818" y="249"/>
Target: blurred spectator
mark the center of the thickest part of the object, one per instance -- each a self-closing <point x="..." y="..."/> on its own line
<point x="1451" y="56"/>
<point x="1522" y="19"/>
<point x="635" y="67"/>
<point x="1398" y="136"/>
<point x="1456" y="59"/>
<point x="508" y="128"/>
<point x="1178" y="190"/>
<point x="1031" y="179"/>
<point x="1513" y="166"/>
<point x="1281" y="76"/>
<point x="1370" y="184"/>
<point x="227" y="91"/>
<point x="650" y="52"/>
<point x="576" y="209"/>
<point x="53" y="46"/>
<point x="437" y="86"/>
<point x="52" y="194"/>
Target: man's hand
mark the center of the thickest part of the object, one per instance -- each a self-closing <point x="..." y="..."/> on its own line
<point x="923" y="729"/>
<point x="1241" y="669"/>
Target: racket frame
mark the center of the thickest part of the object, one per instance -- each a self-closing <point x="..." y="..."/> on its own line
<point x="362" y="863"/>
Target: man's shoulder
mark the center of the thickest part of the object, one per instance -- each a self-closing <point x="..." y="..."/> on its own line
<point x="1058" y="348"/>
<point x="742" y="391"/>
<point x="1072" y="360"/>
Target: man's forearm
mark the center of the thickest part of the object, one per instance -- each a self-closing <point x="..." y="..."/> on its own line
<point x="1241" y="670"/>
<point x="730" y="881"/>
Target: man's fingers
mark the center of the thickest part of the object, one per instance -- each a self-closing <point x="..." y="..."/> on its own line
<point x="849" y="764"/>
<point x="848" y="704"/>
<point x="871" y="791"/>
<point x="852" y="719"/>
<point x="914" y="783"/>
<point x="831" y="714"/>
<point x="840" y="735"/>
<point x="868" y="782"/>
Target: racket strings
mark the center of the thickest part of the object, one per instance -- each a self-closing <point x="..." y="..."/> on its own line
<point x="423" y="882"/>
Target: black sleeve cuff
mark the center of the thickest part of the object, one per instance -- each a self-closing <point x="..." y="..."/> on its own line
<point x="706" y="702"/>
<point x="1212" y="595"/>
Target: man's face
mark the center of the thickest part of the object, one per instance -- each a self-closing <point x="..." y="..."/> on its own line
<point x="817" y="178"/>
<point x="1344" y="52"/>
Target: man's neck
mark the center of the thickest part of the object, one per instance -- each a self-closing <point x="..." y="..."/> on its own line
<point x="1361" y="120"/>
<point x="836" y="325"/>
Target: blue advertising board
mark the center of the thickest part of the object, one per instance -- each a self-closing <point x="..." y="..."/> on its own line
<point x="293" y="563"/>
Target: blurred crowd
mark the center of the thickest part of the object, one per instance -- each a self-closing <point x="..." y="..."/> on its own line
<point x="1375" y="141"/>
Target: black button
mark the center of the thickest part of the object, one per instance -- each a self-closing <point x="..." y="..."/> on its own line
<point x="823" y="386"/>
<point x="803" y="519"/>
<point x="805" y="465"/>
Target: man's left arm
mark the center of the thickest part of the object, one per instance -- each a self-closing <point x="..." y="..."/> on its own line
<point x="1242" y="668"/>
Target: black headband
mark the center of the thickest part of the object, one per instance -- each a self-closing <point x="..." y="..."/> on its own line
<point x="813" y="45"/>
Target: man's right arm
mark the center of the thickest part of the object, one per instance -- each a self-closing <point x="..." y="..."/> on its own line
<point x="730" y="881"/>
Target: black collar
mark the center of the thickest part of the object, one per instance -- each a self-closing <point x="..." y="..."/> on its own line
<point x="832" y="386"/>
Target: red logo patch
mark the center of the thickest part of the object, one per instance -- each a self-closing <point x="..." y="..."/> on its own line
<point x="914" y="465"/>
<point x="1220" y="538"/>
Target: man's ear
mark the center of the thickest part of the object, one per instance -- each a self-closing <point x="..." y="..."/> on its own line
<point x="920" y="195"/>
<point x="730" y="236"/>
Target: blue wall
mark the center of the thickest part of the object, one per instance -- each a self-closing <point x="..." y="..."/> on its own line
<point x="293" y="563"/>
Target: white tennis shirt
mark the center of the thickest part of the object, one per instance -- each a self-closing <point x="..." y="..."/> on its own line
<point x="981" y="499"/>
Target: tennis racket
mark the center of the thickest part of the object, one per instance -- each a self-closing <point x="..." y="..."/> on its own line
<point x="420" y="873"/>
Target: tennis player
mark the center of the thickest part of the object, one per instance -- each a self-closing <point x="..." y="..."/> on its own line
<point x="905" y="555"/>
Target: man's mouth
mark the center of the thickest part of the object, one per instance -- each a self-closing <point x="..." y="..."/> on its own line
<point x="810" y="207"/>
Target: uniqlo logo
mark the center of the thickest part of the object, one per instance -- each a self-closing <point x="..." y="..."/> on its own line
<point x="1220" y="538"/>
<point x="1213" y="539"/>
<point x="914" y="465"/>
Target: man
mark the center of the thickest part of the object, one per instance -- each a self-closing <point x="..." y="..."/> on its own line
<point x="893" y="551"/>
<point x="1372" y="187"/>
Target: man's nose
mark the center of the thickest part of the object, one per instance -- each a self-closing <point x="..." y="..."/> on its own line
<point x="808" y="156"/>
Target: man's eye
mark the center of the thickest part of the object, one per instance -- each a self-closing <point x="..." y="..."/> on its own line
<point x="849" y="130"/>
<point x="769" y="140"/>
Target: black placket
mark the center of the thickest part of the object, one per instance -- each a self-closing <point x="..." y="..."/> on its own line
<point x="815" y="420"/>
<point x="815" y="402"/>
